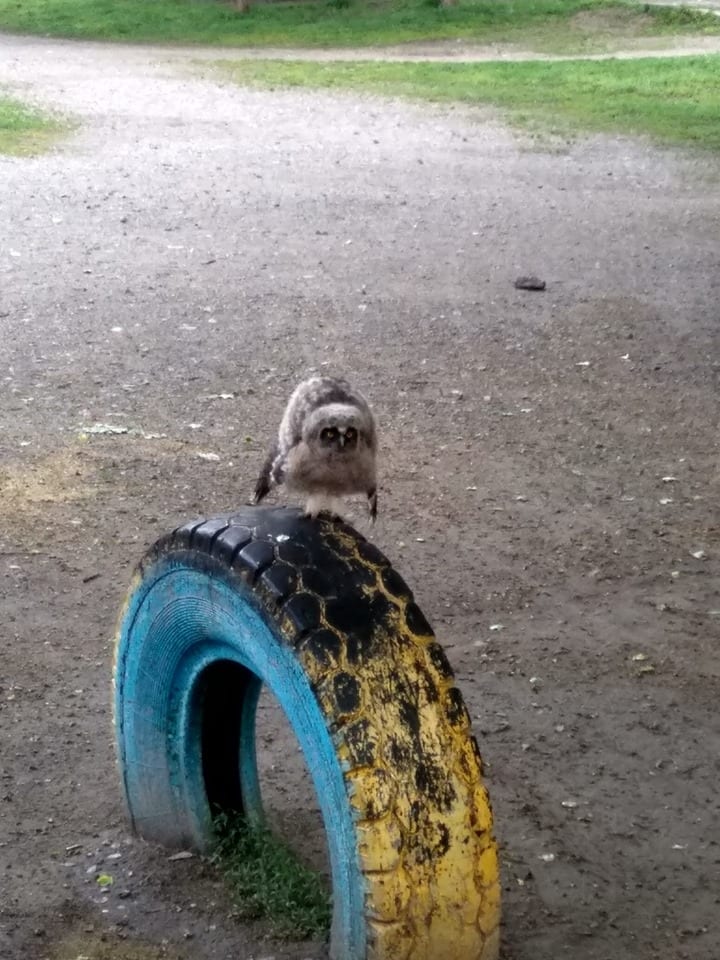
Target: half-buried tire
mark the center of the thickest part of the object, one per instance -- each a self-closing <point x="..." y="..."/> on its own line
<point x="316" y="612"/>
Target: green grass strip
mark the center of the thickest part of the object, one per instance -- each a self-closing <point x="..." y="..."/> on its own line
<point x="539" y="24"/>
<point x="25" y="130"/>
<point x="673" y="100"/>
<point x="266" y="880"/>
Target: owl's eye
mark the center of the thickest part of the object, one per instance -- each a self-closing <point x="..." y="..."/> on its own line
<point x="328" y="434"/>
<point x="351" y="434"/>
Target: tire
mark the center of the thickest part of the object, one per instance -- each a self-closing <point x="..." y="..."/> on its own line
<point x="316" y="612"/>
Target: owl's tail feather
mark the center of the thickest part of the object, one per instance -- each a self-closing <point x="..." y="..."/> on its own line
<point x="372" y="504"/>
<point x="266" y="480"/>
<point x="262" y="488"/>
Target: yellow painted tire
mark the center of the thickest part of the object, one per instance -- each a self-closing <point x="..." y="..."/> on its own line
<point x="317" y="612"/>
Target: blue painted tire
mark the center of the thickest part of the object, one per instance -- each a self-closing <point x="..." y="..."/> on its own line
<point x="313" y="610"/>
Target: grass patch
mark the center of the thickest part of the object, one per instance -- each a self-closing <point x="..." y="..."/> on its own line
<point x="534" y="24"/>
<point x="617" y="27"/>
<point x="25" y="130"/>
<point x="267" y="881"/>
<point x="672" y="100"/>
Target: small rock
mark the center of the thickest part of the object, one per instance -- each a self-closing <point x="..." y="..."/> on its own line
<point x="182" y="855"/>
<point x="529" y="283"/>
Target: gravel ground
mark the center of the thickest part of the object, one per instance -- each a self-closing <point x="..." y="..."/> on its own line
<point x="549" y="466"/>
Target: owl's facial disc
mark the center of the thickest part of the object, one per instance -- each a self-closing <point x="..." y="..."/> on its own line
<point x="341" y="437"/>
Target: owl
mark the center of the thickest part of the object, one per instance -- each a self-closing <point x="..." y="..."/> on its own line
<point x="326" y="447"/>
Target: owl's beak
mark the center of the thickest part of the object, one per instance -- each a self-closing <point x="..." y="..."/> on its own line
<point x="342" y="438"/>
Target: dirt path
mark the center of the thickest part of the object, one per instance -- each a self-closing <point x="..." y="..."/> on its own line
<point x="440" y="51"/>
<point x="550" y="466"/>
<point x="445" y="51"/>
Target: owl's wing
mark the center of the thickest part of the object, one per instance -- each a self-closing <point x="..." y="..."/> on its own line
<point x="270" y="474"/>
<point x="297" y="409"/>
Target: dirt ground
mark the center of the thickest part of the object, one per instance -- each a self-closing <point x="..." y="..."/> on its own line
<point x="550" y="471"/>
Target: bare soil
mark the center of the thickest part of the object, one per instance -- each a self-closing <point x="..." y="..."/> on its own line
<point x="550" y="471"/>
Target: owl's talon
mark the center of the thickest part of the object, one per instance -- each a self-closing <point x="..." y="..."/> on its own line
<point x="323" y="515"/>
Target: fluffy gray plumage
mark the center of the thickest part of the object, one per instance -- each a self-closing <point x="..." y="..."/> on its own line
<point x="326" y="446"/>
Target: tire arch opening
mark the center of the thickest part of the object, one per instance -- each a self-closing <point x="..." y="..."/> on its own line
<point x="226" y="697"/>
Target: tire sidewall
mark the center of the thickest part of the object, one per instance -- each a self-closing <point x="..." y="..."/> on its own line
<point x="186" y="613"/>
